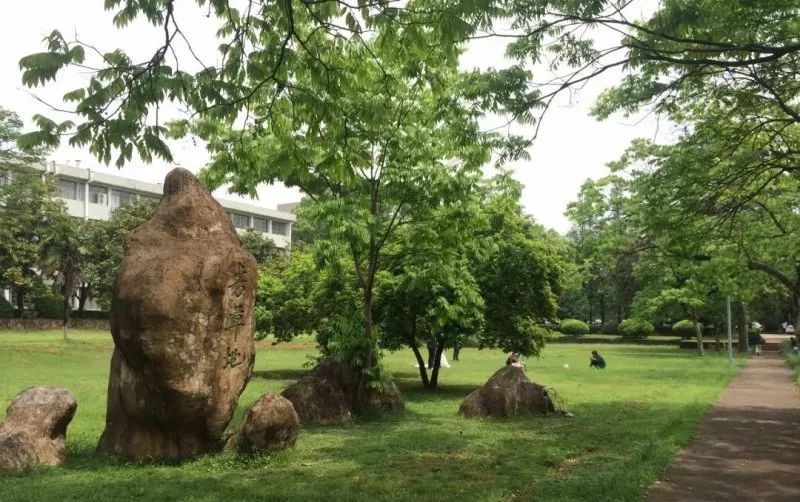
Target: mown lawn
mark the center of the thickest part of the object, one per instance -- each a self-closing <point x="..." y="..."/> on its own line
<point x="629" y="420"/>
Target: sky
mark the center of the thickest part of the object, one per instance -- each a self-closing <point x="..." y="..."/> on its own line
<point x="571" y="145"/>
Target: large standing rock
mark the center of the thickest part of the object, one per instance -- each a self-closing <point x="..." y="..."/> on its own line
<point x="328" y="394"/>
<point x="35" y="427"/>
<point x="271" y="424"/>
<point x="182" y="322"/>
<point x="508" y="392"/>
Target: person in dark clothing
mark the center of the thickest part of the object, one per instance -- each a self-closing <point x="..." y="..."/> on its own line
<point x="597" y="361"/>
<point x="431" y="352"/>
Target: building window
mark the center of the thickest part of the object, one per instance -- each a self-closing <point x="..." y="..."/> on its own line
<point x="261" y="224"/>
<point x="120" y="197"/>
<point x="98" y="195"/>
<point x="279" y="227"/>
<point x="72" y="190"/>
<point x="240" y="220"/>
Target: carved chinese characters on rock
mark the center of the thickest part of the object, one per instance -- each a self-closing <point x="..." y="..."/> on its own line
<point x="182" y="322"/>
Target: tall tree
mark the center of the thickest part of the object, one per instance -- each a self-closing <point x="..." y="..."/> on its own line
<point x="388" y="144"/>
<point x="27" y="208"/>
<point x="63" y="257"/>
<point x="261" y="247"/>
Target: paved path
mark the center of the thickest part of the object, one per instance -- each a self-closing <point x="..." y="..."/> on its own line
<point x="747" y="446"/>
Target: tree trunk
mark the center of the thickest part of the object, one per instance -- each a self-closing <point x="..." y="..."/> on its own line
<point x="699" y="330"/>
<point x="369" y="359"/>
<point x="602" y="311"/>
<point x="742" y="323"/>
<point x="423" y="371"/>
<point x="412" y="342"/>
<point x="83" y="296"/>
<point x="20" y="301"/>
<point x="436" y="362"/>
<point x="67" y="296"/>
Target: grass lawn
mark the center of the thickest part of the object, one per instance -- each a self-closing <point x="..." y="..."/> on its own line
<point x="629" y="420"/>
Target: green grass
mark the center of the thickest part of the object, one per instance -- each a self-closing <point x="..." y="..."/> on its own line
<point x="629" y="421"/>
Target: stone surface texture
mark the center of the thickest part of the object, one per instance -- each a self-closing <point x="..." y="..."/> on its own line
<point x="328" y="394"/>
<point x="35" y="428"/>
<point x="508" y="392"/>
<point x="270" y="424"/>
<point x="182" y="323"/>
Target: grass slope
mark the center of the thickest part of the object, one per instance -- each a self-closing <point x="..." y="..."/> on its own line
<point x="629" y="420"/>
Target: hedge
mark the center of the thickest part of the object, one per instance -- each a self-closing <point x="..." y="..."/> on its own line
<point x="48" y="307"/>
<point x="7" y="311"/>
<point x="635" y="328"/>
<point x="573" y="327"/>
<point x="684" y="328"/>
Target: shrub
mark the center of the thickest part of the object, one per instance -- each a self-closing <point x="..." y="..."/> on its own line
<point x="664" y="329"/>
<point x="48" y="307"/>
<point x="7" y="311"/>
<point x="684" y="328"/>
<point x="573" y="327"/>
<point x="635" y="328"/>
<point x="103" y="315"/>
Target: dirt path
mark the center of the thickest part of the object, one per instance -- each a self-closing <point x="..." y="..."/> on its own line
<point x="747" y="446"/>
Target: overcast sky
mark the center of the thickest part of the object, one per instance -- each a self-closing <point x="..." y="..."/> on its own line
<point x="571" y="145"/>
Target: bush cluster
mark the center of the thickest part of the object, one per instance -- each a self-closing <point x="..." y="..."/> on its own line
<point x="684" y="328"/>
<point x="635" y="328"/>
<point x="48" y="307"/>
<point x="7" y="311"/>
<point x="573" y="327"/>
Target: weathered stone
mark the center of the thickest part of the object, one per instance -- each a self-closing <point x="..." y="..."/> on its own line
<point x="328" y="394"/>
<point x="270" y="424"/>
<point x="318" y="401"/>
<point x="182" y="322"/>
<point x="508" y="392"/>
<point x="389" y="398"/>
<point x="35" y="427"/>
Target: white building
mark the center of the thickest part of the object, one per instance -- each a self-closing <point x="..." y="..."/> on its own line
<point x="92" y="195"/>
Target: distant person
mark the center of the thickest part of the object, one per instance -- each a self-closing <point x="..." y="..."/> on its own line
<point x="759" y="342"/>
<point x="513" y="360"/>
<point x="783" y="326"/>
<point x="596" y="361"/>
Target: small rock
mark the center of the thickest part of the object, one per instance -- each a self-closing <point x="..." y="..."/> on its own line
<point x="35" y="427"/>
<point x="508" y="392"/>
<point x="327" y="395"/>
<point x="271" y="424"/>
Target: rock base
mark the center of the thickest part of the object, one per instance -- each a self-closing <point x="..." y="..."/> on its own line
<point x="327" y="395"/>
<point x="270" y="424"/>
<point x="507" y="393"/>
<point x="35" y="428"/>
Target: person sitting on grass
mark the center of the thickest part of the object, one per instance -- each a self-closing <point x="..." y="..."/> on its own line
<point x="597" y="361"/>
<point x="514" y="360"/>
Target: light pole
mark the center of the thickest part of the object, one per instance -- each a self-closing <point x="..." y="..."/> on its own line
<point x="730" y="335"/>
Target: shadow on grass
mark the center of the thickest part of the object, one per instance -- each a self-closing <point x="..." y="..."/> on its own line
<point x="612" y="450"/>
